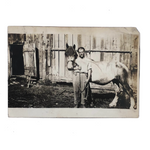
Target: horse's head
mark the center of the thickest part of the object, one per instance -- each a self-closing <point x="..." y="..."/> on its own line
<point x="71" y="55"/>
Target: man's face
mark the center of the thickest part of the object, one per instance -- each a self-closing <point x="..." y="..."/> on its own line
<point x="81" y="53"/>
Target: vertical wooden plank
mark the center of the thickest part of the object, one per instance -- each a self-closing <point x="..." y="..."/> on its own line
<point x="32" y="38"/>
<point x="16" y="38"/>
<point x="56" y="56"/>
<point x="117" y="46"/>
<point x="40" y="57"/>
<point x="134" y="61"/>
<point x="28" y="38"/>
<point x="44" y="61"/>
<point x="66" y="41"/>
<point x="102" y="48"/>
<point x="30" y="61"/>
<point x="9" y="38"/>
<point x="107" y="56"/>
<point x="85" y="43"/>
<point x="48" y="56"/>
<point x="91" y="48"/>
<point x="95" y="46"/>
<point x="62" y="56"/>
<point x="113" y="47"/>
<point x="21" y="38"/>
<point x="51" y="57"/>
<point x="28" y="54"/>
<point x="34" y="57"/>
<point x="88" y="45"/>
<point x="36" y="40"/>
<point x="98" y="47"/>
<point x="128" y="49"/>
<point x="74" y="39"/>
<point x="125" y="49"/>
<point x="24" y="56"/>
<point x="79" y="39"/>
<point x="70" y="73"/>
<point x="136" y="39"/>
<point x="121" y="47"/>
<point x="48" y="53"/>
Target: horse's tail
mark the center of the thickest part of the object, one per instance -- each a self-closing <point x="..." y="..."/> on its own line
<point x="125" y="74"/>
<point x="122" y="66"/>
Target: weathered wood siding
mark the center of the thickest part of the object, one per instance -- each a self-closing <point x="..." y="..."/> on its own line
<point x="53" y="65"/>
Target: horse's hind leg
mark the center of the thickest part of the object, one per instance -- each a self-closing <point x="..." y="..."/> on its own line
<point x="114" y="102"/>
<point x="129" y="91"/>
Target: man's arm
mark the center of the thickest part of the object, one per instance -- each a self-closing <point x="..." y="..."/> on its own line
<point x="89" y="75"/>
<point x="77" y="68"/>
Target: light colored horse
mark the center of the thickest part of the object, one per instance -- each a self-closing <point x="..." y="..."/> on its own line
<point x="103" y="73"/>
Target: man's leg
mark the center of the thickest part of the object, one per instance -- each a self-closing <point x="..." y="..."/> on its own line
<point x="83" y="79"/>
<point x="76" y="85"/>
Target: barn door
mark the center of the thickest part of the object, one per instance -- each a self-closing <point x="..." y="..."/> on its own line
<point x="29" y="55"/>
<point x="16" y="59"/>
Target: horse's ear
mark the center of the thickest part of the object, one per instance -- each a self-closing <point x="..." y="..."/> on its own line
<point x="67" y="45"/>
<point x="74" y="46"/>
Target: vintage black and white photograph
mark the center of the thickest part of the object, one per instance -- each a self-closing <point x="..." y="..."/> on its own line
<point x="87" y="71"/>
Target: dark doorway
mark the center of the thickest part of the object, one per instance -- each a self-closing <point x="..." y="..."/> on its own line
<point x="17" y="59"/>
<point x="37" y="63"/>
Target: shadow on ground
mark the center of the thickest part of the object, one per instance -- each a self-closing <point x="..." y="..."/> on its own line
<point x="43" y="94"/>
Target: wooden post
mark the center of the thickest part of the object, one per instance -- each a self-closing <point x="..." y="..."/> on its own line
<point x="51" y="56"/>
<point x="56" y="71"/>
<point x="62" y="56"/>
<point x="44" y="61"/>
<point x="40" y="57"/>
<point x="34" y="57"/>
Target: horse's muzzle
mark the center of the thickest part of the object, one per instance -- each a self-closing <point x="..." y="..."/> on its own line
<point x="70" y="65"/>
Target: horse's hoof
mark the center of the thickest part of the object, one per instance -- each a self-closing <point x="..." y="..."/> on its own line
<point x="91" y="105"/>
<point x="112" y="105"/>
<point x="133" y="107"/>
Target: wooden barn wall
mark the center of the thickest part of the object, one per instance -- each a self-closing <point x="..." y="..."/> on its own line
<point x="53" y="65"/>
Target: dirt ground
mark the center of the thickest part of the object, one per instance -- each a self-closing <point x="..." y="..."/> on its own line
<point x="44" y="94"/>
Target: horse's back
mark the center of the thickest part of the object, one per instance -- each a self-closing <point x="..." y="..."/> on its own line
<point x="103" y="72"/>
